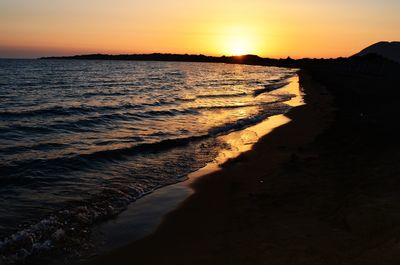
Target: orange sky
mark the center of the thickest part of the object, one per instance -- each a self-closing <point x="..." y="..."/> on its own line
<point x="270" y="28"/>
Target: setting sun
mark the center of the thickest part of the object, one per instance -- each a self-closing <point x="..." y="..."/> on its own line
<point x="240" y="40"/>
<point x="238" y="46"/>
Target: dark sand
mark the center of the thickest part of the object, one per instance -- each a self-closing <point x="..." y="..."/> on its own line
<point x="322" y="189"/>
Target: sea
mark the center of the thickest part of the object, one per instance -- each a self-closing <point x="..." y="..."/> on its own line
<point x="80" y="140"/>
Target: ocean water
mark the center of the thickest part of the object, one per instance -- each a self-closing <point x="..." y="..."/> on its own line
<point x="80" y="140"/>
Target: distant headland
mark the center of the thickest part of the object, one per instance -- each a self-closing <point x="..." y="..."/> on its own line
<point x="374" y="59"/>
<point x="380" y="51"/>
<point x="389" y="50"/>
<point x="243" y="59"/>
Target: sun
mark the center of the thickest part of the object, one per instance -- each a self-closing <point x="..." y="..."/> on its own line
<point x="238" y="46"/>
<point x="235" y="40"/>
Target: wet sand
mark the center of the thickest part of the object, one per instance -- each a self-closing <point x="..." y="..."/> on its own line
<point x="321" y="189"/>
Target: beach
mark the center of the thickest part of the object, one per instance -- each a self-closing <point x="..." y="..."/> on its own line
<point x="228" y="220"/>
<point x="321" y="189"/>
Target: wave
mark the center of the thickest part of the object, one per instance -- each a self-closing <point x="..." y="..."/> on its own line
<point x="67" y="85"/>
<point x="84" y="124"/>
<point x="103" y="94"/>
<point x="269" y="88"/>
<point x="246" y="122"/>
<point x="77" y="162"/>
<point x="226" y="107"/>
<point x="222" y="95"/>
<point x="170" y="112"/>
<point x="80" y="110"/>
<point x="85" y="161"/>
<point x="280" y="99"/>
<point x="15" y="149"/>
<point x="68" y="227"/>
<point x="61" y="111"/>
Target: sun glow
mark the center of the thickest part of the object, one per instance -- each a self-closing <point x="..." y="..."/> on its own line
<point x="238" y="46"/>
<point x="239" y="40"/>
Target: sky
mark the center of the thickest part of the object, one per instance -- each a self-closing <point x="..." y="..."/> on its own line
<point x="269" y="28"/>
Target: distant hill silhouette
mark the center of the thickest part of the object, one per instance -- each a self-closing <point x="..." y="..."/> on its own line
<point x="364" y="63"/>
<point x="389" y="50"/>
<point x="243" y="59"/>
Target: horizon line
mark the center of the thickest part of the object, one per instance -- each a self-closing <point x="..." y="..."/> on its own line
<point x="161" y="53"/>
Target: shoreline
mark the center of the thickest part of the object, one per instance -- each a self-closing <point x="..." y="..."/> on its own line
<point x="205" y="212"/>
<point x="144" y="216"/>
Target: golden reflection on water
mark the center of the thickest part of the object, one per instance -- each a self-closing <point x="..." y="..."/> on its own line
<point x="243" y="141"/>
